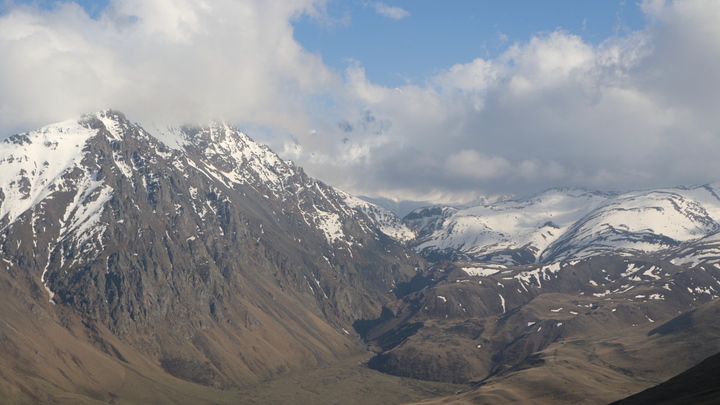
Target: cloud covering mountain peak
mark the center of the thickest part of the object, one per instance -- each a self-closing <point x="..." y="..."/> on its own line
<point x="633" y="111"/>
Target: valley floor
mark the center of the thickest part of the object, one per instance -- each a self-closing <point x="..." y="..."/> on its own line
<point x="348" y="382"/>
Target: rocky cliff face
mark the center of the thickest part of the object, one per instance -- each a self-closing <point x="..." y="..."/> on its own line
<point x="210" y="254"/>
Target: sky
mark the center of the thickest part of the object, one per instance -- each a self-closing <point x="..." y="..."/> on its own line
<point x="442" y="101"/>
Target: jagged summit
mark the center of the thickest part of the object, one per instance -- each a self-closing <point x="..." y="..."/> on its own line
<point x="39" y="159"/>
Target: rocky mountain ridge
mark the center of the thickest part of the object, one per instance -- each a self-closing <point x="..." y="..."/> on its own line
<point x="212" y="257"/>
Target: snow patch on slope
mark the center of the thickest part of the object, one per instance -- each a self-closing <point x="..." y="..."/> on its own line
<point x="32" y="165"/>
<point x="386" y="220"/>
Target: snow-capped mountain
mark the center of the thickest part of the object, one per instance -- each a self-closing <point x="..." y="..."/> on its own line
<point x="519" y="281"/>
<point x="562" y="224"/>
<point x="566" y="271"/>
<point x="641" y="222"/>
<point x="38" y="165"/>
<point x="205" y="245"/>
<point x="389" y="223"/>
<point x="131" y="256"/>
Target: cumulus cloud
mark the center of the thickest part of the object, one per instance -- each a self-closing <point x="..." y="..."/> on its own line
<point x="160" y="60"/>
<point x="635" y="111"/>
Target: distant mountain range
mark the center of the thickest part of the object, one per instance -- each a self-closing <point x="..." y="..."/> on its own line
<point x="569" y="224"/>
<point x="185" y="264"/>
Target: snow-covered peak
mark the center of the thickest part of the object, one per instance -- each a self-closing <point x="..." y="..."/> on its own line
<point x="386" y="220"/>
<point x="497" y="230"/>
<point x="113" y="121"/>
<point x="32" y="164"/>
<point x="640" y="222"/>
<point x="232" y="155"/>
<point x="565" y="224"/>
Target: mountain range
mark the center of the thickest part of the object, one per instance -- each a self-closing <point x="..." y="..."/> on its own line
<point x="568" y="224"/>
<point x="193" y="265"/>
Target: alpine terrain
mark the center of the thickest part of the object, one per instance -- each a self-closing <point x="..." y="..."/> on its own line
<point x="131" y="267"/>
<point x="192" y="265"/>
<point x="569" y="296"/>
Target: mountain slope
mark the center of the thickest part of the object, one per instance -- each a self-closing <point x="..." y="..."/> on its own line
<point x="211" y="257"/>
<point x="698" y="385"/>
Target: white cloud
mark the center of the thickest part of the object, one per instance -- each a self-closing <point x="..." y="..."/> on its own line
<point x="475" y="76"/>
<point x="160" y="60"/>
<point x="396" y="13"/>
<point x="474" y="165"/>
<point x="636" y="111"/>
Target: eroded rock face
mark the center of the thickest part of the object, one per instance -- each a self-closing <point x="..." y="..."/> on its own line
<point x="212" y="255"/>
